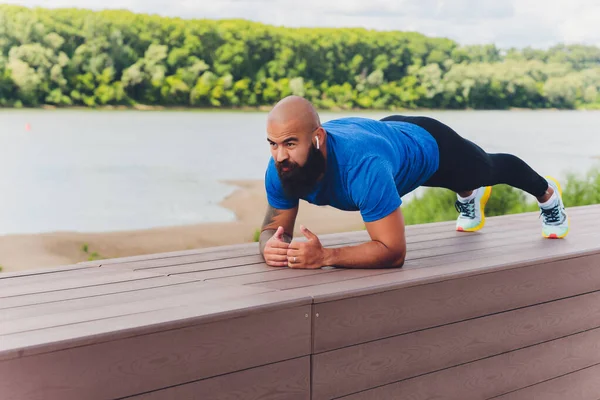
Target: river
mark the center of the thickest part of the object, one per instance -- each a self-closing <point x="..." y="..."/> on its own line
<point x="94" y="171"/>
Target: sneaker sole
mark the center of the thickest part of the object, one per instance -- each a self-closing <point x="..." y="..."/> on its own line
<point x="486" y="196"/>
<point x="554" y="235"/>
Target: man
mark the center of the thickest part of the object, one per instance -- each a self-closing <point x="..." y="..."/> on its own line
<point x="360" y="164"/>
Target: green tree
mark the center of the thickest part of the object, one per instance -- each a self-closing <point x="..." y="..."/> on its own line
<point x="83" y="57"/>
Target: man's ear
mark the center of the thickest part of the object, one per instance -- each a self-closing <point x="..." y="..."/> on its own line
<point x="319" y="137"/>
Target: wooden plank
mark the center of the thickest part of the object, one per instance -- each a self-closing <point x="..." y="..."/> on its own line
<point x="162" y="294"/>
<point x="208" y="261"/>
<point x="242" y="248"/>
<point x="103" y="307"/>
<point x="449" y="233"/>
<point x="462" y="239"/>
<point x="56" y="338"/>
<point x="416" y="232"/>
<point x="420" y="249"/>
<point x="91" y="291"/>
<point x="424" y="238"/>
<point x="206" y="265"/>
<point x="580" y="385"/>
<point x="426" y="233"/>
<point x="442" y="252"/>
<point x="215" y="255"/>
<point x="100" y="278"/>
<point x="154" y="361"/>
<point x="455" y="244"/>
<point x="425" y="249"/>
<point x="56" y="276"/>
<point x="437" y="257"/>
<point x="206" y="254"/>
<point x="522" y="243"/>
<point x="538" y="245"/>
<point x="44" y="271"/>
<point x="421" y="246"/>
<point x="392" y="279"/>
<point x="284" y="380"/>
<point x="499" y="374"/>
<point x="253" y="274"/>
<point x="356" y="368"/>
<point x="365" y="318"/>
<point x="339" y="274"/>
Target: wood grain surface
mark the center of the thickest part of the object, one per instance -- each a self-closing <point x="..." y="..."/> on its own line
<point x="287" y="380"/>
<point x="579" y="385"/>
<point x="499" y="374"/>
<point x="149" y="362"/>
<point x="356" y="368"/>
<point x="360" y="319"/>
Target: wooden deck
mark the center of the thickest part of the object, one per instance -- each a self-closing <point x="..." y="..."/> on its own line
<point x="501" y="313"/>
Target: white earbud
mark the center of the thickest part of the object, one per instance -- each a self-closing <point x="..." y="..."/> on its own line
<point x="317" y="142"/>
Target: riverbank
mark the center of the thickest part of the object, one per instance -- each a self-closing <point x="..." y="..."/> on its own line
<point x="22" y="252"/>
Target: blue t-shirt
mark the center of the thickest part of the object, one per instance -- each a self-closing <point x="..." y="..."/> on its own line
<point x="370" y="165"/>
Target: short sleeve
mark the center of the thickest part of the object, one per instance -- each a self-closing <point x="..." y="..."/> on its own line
<point x="373" y="189"/>
<point x="275" y="194"/>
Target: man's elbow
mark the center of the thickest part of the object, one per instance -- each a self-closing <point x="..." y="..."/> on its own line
<point x="398" y="260"/>
<point x="393" y="256"/>
<point x="399" y="263"/>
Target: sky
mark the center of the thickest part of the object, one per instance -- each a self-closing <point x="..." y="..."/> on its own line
<point x="505" y="23"/>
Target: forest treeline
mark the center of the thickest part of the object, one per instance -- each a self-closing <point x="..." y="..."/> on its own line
<point x="73" y="57"/>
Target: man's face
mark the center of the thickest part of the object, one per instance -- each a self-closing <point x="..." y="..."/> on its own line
<point x="299" y="163"/>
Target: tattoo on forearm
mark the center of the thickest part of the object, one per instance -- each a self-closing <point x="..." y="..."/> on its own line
<point x="270" y="216"/>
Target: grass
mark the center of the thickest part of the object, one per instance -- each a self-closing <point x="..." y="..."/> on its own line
<point x="256" y="236"/>
<point x="91" y="256"/>
<point x="437" y="204"/>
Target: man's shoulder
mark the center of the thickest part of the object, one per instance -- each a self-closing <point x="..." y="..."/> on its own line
<point x="359" y="131"/>
<point x="356" y="140"/>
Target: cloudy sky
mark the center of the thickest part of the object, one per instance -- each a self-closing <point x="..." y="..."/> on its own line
<point x="519" y="23"/>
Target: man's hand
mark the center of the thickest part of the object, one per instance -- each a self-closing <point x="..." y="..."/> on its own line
<point x="387" y="248"/>
<point x="309" y="254"/>
<point x="275" y="252"/>
<point x="273" y="240"/>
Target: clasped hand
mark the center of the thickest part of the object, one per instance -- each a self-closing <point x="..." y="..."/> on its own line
<point x="307" y="255"/>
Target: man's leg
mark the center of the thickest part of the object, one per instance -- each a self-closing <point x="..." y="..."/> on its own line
<point x="469" y="171"/>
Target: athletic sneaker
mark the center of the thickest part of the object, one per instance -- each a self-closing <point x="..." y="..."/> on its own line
<point x="555" y="222"/>
<point x="471" y="210"/>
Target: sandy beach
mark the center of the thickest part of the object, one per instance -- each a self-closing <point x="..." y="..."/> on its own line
<point x="21" y="252"/>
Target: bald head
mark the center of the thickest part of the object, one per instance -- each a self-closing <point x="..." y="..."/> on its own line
<point x="293" y="114"/>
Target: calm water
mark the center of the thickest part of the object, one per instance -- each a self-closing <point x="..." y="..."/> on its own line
<point x="105" y="170"/>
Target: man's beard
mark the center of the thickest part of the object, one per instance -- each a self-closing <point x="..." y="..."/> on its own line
<point x="299" y="181"/>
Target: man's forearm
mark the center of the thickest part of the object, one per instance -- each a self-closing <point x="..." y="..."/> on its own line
<point x="372" y="254"/>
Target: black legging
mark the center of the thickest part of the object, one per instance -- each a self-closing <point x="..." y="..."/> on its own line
<point x="464" y="166"/>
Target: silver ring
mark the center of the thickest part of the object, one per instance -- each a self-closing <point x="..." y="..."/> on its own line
<point x="294" y="259"/>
